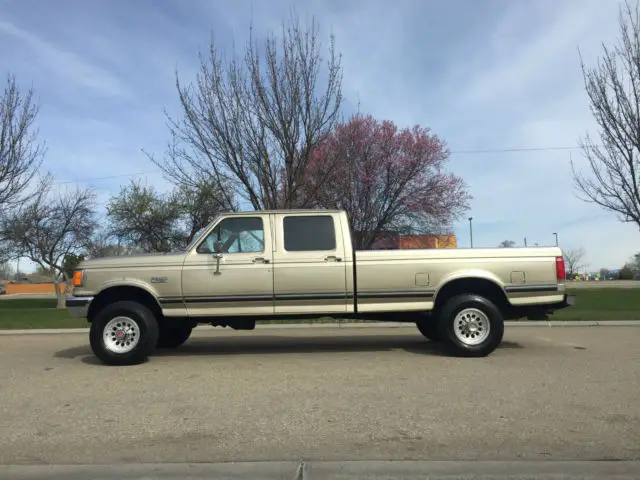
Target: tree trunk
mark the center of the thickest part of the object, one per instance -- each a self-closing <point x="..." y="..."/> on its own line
<point x="60" y="294"/>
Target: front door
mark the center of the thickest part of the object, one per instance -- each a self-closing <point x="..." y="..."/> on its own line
<point x="309" y="264"/>
<point x="231" y="271"/>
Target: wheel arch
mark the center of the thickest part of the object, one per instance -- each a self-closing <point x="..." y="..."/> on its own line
<point x="478" y="285"/>
<point x="115" y="293"/>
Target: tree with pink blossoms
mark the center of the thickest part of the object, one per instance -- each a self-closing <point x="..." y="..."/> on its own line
<point x="387" y="179"/>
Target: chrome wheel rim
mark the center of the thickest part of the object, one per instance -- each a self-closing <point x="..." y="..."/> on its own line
<point x="471" y="326"/>
<point x="121" y="335"/>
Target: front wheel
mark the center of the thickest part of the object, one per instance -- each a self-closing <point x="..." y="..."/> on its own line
<point x="471" y="325"/>
<point x="173" y="334"/>
<point x="123" y="333"/>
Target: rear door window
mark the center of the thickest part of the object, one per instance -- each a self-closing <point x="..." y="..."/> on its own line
<point x="309" y="233"/>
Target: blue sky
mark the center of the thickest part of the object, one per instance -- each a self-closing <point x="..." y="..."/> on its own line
<point x="483" y="75"/>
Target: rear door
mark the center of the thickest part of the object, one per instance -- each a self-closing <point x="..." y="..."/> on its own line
<point x="309" y="264"/>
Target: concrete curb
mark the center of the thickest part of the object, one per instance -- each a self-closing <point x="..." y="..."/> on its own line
<point x="350" y="469"/>
<point x="275" y="326"/>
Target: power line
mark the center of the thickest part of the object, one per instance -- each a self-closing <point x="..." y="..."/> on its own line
<point x="522" y="149"/>
<point x="453" y="152"/>
<point x="109" y="177"/>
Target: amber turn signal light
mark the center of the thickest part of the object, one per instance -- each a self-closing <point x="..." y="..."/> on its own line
<point x="78" y="278"/>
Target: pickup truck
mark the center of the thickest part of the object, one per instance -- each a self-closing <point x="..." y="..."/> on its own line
<point x="289" y="264"/>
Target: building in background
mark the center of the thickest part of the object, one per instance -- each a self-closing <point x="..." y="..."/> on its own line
<point x="400" y="242"/>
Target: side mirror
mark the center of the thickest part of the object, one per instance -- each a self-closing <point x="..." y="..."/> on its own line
<point x="217" y="247"/>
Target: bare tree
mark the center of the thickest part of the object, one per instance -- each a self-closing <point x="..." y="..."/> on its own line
<point x="5" y="253"/>
<point x="507" y="244"/>
<point x="574" y="259"/>
<point x="6" y="271"/>
<point x="104" y="244"/>
<point x="634" y="263"/>
<point x="49" y="228"/>
<point x="613" y="88"/>
<point x="20" y="152"/>
<point x="626" y="272"/>
<point x="250" y="123"/>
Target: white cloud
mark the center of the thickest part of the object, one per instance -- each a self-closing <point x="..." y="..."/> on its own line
<point x="68" y="65"/>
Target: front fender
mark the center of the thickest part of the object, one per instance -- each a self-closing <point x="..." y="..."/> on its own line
<point x="128" y="282"/>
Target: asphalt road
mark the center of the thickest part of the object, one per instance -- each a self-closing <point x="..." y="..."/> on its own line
<point x="548" y="393"/>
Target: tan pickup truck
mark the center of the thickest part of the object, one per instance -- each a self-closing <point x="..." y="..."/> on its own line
<point x="290" y="264"/>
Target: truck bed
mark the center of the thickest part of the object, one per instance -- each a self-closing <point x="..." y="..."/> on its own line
<point x="411" y="279"/>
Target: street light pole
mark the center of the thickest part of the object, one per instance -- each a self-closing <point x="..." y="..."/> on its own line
<point x="556" y="238"/>
<point x="471" y="230"/>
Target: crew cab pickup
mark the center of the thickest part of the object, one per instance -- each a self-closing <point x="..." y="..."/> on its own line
<point x="290" y="264"/>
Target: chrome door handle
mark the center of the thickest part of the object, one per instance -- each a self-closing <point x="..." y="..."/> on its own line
<point x="332" y="258"/>
<point x="260" y="260"/>
<point x="218" y="257"/>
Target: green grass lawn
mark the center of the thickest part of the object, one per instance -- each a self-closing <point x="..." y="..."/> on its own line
<point x="591" y="304"/>
<point x="602" y="304"/>
<point x="36" y="313"/>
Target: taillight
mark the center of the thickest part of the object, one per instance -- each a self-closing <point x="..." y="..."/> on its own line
<point x="560" y="272"/>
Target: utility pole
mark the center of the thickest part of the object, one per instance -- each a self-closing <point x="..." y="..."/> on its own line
<point x="556" y="238"/>
<point x="471" y="230"/>
<point x="525" y="241"/>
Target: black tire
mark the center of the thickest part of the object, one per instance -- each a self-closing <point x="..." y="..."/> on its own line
<point x="173" y="334"/>
<point x="480" y="310"/>
<point x="136" y="314"/>
<point x="429" y="328"/>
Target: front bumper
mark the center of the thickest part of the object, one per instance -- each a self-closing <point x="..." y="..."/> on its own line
<point x="78" y="306"/>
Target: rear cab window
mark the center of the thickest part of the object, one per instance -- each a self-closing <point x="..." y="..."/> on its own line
<point x="310" y="233"/>
<point x="308" y="237"/>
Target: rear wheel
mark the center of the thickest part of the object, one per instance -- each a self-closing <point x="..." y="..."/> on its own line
<point x="471" y="325"/>
<point x="123" y="333"/>
<point x="173" y="334"/>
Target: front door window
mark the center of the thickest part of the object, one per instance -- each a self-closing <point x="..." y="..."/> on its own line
<point x="235" y="235"/>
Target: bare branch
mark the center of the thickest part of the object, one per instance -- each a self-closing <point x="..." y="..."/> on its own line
<point x="20" y="154"/>
<point x="613" y="88"/>
<point x="250" y="123"/>
<point x="574" y="259"/>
